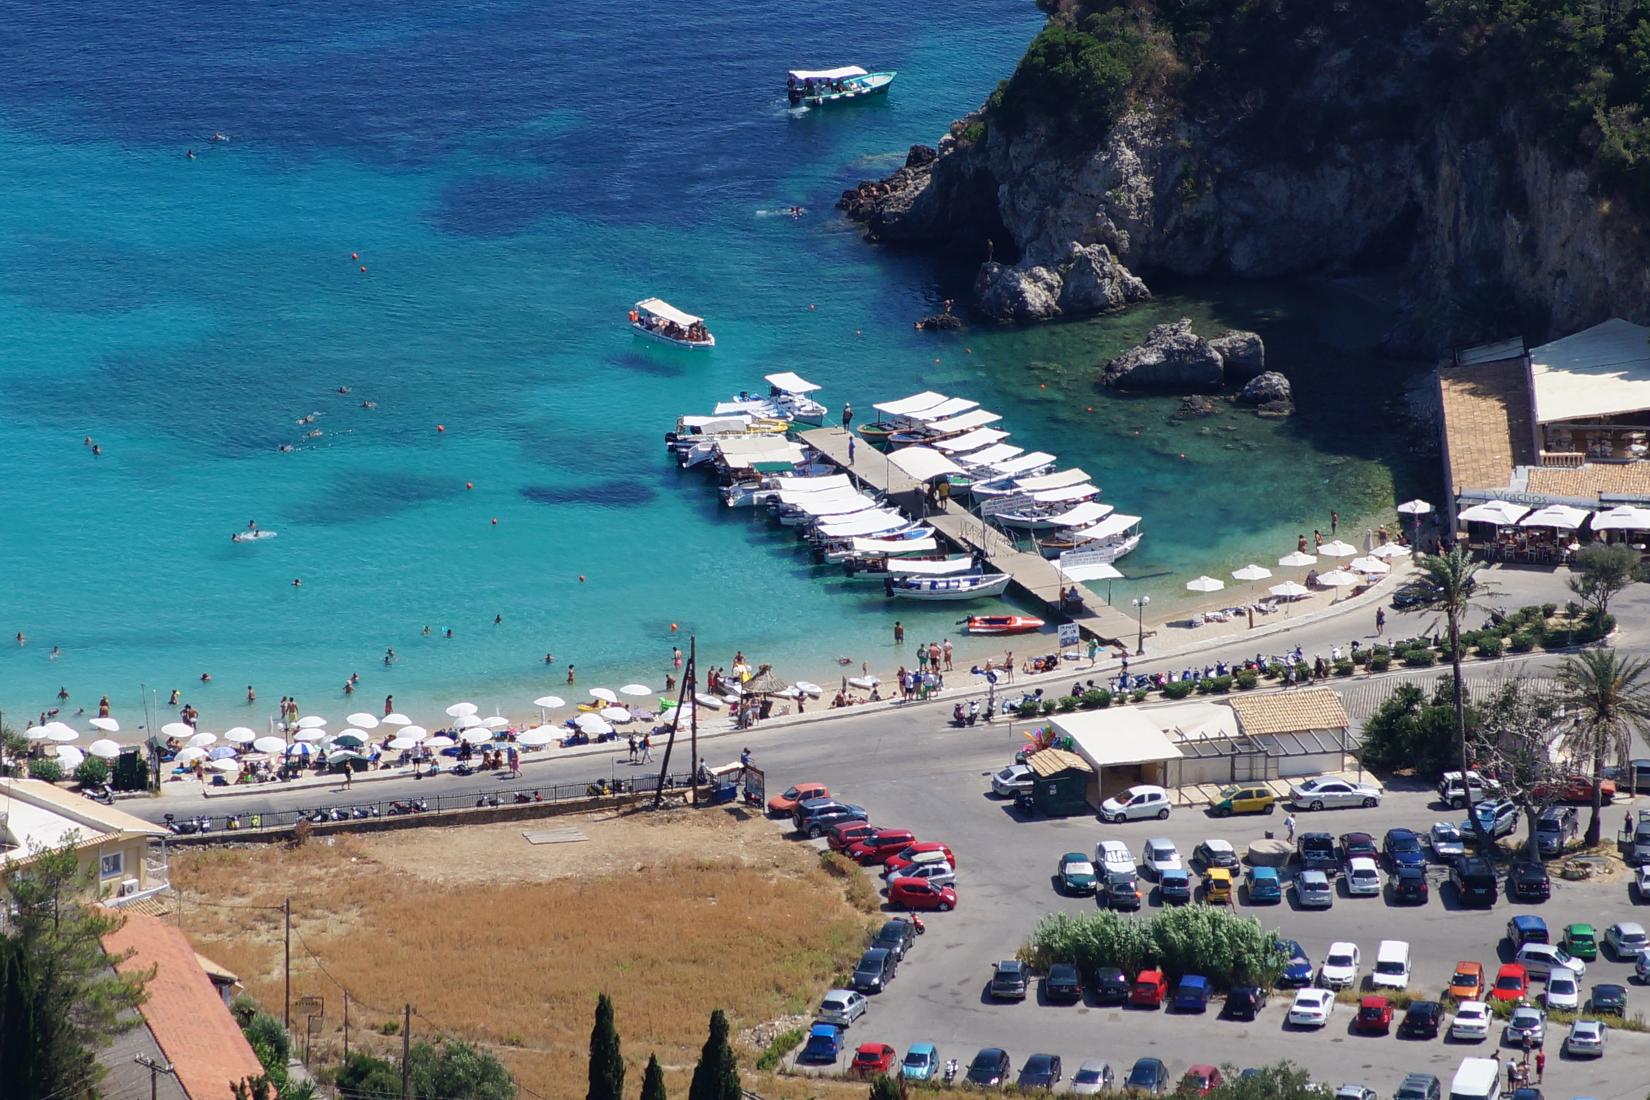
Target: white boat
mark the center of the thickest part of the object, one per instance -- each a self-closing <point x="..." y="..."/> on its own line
<point x="252" y="536"/>
<point x="972" y="587"/>
<point x="1102" y="542"/>
<point x="790" y="392"/>
<point x="657" y="319"/>
<point x="759" y="488"/>
<point x="882" y="523"/>
<point x="878" y="568"/>
<point x="813" y="87"/>
<point x="935" y="431"/>
<point x="1008" y="485"/>
<point x="916" y="539"/>
<point x="1049" y="510"/>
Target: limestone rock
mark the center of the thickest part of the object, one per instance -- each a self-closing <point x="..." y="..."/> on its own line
<point x="1094" y="281"/>
<point x="1264" y="388"/>
<point x="1195" y="407"/>
<point x="1171" y="357"/>
<point x="1242" y="352"/>
<point x="941" y="322"/>
<point x="1022" y="294"/>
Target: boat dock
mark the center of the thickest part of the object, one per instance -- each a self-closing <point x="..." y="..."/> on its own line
<point x="1032" y="574"/>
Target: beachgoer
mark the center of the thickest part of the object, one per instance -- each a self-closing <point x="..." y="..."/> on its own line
<point x="389" y="704"/>
<point x="62" y="694"/>
<point x="670" y="682"/>
<point x="21" y="641"/>
<point x="899" y="633"/>
<point x="56" y="653"/>
<point x="349" y="688"/>
<point x="389" y="655"/>
<point x="206" y="677"/>
<point x="1334" y="522"/>
<point x="1300" y="543"/>
<point x="449" y="633"/>
<point x="251" y="696"/>
<point x="297" y="582"/>
<point x="1380" y="621"/>
<point x="570" y="674"/>
<point x="349" y="773"/>
<point x="630" y="743"/>
<point x="1289" y="827"/>
<point x="498" y="620"/>
<point x="946" y="650"/>
<point x="676" y="657"/>
<point x="647" y="748"/>
<point x="850" y="450"/>
<point x="173" y="701"/>
<point x="426" y="630"/>
<point x="1317" y="538"/>
<point x="1540" y="1065"/>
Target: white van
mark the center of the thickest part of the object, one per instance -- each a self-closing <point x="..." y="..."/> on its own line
<point x="1391" y="965"/>
<point x="1477" y="1079"/>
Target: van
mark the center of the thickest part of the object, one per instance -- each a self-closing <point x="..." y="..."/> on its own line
<point x="1477" y="1079"/>
<point x="1391" y="965"/>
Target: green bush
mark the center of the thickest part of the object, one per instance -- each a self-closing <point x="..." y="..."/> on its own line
<point x="45" y="770"/>
<point x="1028" y="709"/>
<point x="1138" y="695"/>
<point x="1344" y="667"/>
<point x="1047" y="707"/>
<point x="1066" y="703"/>
<point x="1096" y="700"/>
<point x="783" y="1044"/>
<point x="1361" y="658"/>
<point x="1247" y="679"/>
<point x="1223" y="684"/>
<point x="1420" y="658"/>
<point x="1380" y="662"/>
<point x="92" y="772"/>
<point x="1548" y="610"/>
<point x="1274" y="670"/>
<point x="1082" y="75"/>
<point x="1191" y="939"/>
<point x="1179" y="689"/>
<point x="1522" y="642"/>
<point x="1491" y="645"/>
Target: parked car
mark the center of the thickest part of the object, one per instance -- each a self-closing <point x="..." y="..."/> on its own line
<point x="1174" y="887"/>
<point x="1608" y="999"/>
<point x="1358" y="846"/>
<point x="1340" y="966"/>
<point x="1355" y="1092"/>
<point x="1297" y="972"/>
<point x="1313" y="891"/>
<point x="1494" y="818"/>
<point x="1422" y="1020"/>
<point x="1541" y="959"/>
<point x="1076" y="874"/>
<point x="1093" y="1076"/>
<point x="1150" y="989"/>
<point x="940" y="874"/>
<point x="874" y="850"/>
<point x="1586" y="1039"/>
<point x="1634" y="777"/>
<point x="1148" y="1075"/>
<point x="1577" y="788"/>
<point x="1363" y="878"/>
<point x="1525" y="1021"/>
<point x="1459" y="796"/>
<point x="1474" y="880"/>
<point x="1446" y="841"/>
<point x="809" y="807"/>
<point x="1555" y="827"/>
<point x="1402" y="848"/>
<point x="896" y="935"/>
<point x="1467" y="983"/>
<point x="872" y="1060"/>
<point x="784" y="805"/>
<point x="816" y="817"/>
<point x="1374" y="1015"/>
<point x="989" y="1069"/>
<point x="842" y="835"/>
<point x="1123" y="890"/>
<point x="1136" y="804"/>
<point x="1062" y="984"/>
<point x="1418" y="1086"/>
<point x="1512" y="983"/>
<point x="1215" y="852"/>
<point x="1012" y="780"/>
<point x="1217" y="886"/>
<point x="1641" y="880"/>
<point x="921" y="1063"/>
<point x="1008" y="981"/>
<point x="1244" y="1002"/>
<point x="1563" y="992"/>
<point x="1316" y="852"/>
<point x="918" y="853"/>
<point x="1263" y="885"/>
<point x="1191" y="995"/>
<point x="875" y="970"/>
<point x="1244" y="800"/>
<point x="914" y="893"/>
<point x="1528" y="881"/>
<point x="1110" y="986"/>
<point x="1471" y="1023"/>
<point x="1040" y="1071"/>
<point x="841" y="1007"/>
<point x="1113" y="857"/>
<point x="1580" y="940"/>
<point x="1199" y="1080"/>
<point x="1328" y="792"/>
<point x="1159" y="855"/>
<point x="1526" y="928"/>
<point x="1626" y="940"/>
<point x="1391" y="965"/>
<point x="824" y="1044"/>
<point x="1410" y="885"/>
<point x="1311" y="1008"/>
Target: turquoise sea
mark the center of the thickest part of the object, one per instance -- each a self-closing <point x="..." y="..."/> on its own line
<point x="512" y="176"/>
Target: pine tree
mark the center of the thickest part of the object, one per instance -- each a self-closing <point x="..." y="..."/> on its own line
<point x="716" y="1077"/>
<point x="653" y="1081"/>
<point x="606" y="1063"/>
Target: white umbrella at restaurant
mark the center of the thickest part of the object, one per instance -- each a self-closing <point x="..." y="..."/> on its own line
<point x="1205" y="584"/>
<point x="70" y="757"/>
<point x="104" y="749"/>
<point x="269" y="744"/>
<point x="439" y="742"/>
<point x="417" y="733"/>
<point x="1414" y="508"/>
<point x="400" y="743"/>
<point x="458" y="710"/>
<point x="604" y="695"/>
<point x="496" y="722"/>
<point x="1251" y="572"/>
<point x="308" y="735"/>
<point x="537" y="737"/>
<point x="63" y="734"/>
<point x="638" y="691"/>
<point x="1340" y="578"/>
<point x="550" y="702"/>
<point x="189" y="756"/>
<point x="1373" y="566"/>
<point x="362" y="720"/>
<point x="178" y="729"/>
<point x="1297" y="559"/>
<point x="396" y="718"/>
<point x="1560" y="516"/>
<point x="311" y="722"/>
<point x="1623" y="517"/>
<point x="615" y="714"/>
<point x="107" y="725"/>
<point x="240" y="735"/>
<point x="203" y="739"/>
<point x="1391" y="550"/>
<point x="1498" y="512"/>
<point x="1338" y="549"/>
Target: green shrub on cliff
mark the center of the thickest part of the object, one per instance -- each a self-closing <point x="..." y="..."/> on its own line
<point x="1080" y="75"/>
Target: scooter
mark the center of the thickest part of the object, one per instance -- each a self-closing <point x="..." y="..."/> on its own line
<point x="181" y="828"/>
<point x="973" y="711"/>
<point x="958" y="717"/>
<point x="950" y="1070"/>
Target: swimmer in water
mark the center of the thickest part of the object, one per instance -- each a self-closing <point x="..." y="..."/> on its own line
<point x="219" y="137"/>
<point x="297" y="582"/>
<point x="389" y="656"/>
<point x="97" y="449"/>
<point x="251" y="525"/>
<point x="190" y="153"/>
<point x="426" y="631"/>
<point x="369" y="404"/>
<point x="343" y="389"/>
<point x="313" y="433"/>
<point x="286" y="448"/>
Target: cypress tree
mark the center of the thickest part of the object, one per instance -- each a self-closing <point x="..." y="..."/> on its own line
<point x="606" y="1063"/>
<point x="716" y="1077"/>
<point x="653" y="1081"/>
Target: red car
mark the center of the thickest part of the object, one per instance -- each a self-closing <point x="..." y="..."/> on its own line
<point x="1150" y="989"/>
<point x="881" y="844"/>
<point x="784" y="805"/>
<point x="1577" y="788"/>
<point x="921" y="853"/>
<point x="1512" y="983"/>
<point x="1375" y="1014"/>
<point x="871" y="1059"/>
<point x="919" y="893"/>
<point x="1200" y="1080"/>
<point x="841" y="836"/>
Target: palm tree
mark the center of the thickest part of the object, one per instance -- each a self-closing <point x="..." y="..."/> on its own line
<point x="1610" y="695"/>
<point x="1446" y="585"/>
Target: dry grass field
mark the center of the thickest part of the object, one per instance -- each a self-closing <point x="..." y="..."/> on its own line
<point x="505" y="943"/>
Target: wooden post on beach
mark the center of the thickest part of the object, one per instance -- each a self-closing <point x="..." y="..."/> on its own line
<point x="676" y="722"/>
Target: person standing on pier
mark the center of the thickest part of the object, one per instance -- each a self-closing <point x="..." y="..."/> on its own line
<point x="850" y="449"/>
<point x="847" y="414"/>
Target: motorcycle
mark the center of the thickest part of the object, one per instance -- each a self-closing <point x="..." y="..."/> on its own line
<point x="973" y="711"/>
<point x="959" y="717"/>
<point x="950" y="1070"/>
<point x="187" y="827"/>
<point x="104" y="795"/>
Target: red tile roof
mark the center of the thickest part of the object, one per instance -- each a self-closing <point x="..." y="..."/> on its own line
<point x="189" y="1020"/>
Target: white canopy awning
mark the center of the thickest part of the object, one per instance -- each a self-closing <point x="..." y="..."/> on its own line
<point x="1493" y="511"/>
<point x="1091" y="571"/>
<point x="1107" y="528"/>
<point x="710" y="425"/>
<point x="786" y="483"/>
<point x="865" y="523"/>
<point x="1058" y="480"/>
<point x="789" y="382"/>
<point x="829" y="496"/>
<point x="920" y="567"/>
<point x="1561" y="516"/>
<point x="872" y="547"/>
<point x="945" y="409"/>
<point x="841" y="506"/>
<point x="1069" y="492"/>
<point x="923" y="463"/>
<point x="842" y="73"/>
<point x="1623" y="517"/>
<point x="1084" y="513"/>
<point x="1001" y="452"/>
<point x="979" y="418"/>
<point x="777" y="451"/>
<point x="662" y="309"/>
<point x="971" y="441"/>
<point x="1109" y="738"/>
<point x="1598" y="372"/>
<point x="917" y="402"/>
<point x="1036" y="460"/>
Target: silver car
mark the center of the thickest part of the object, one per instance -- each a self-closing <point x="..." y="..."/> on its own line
<point x="1446" y="841"/>
<point x="1312" y="890"/>
<point x="1586" y="1039"/>
<point x="1526" y="1021"/>
<point x="1093" y="1076"/>
<point x="1012" y="780"/>
<point x="1327" y="792"/>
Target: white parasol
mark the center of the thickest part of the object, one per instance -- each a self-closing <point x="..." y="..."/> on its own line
<point x="189" y="756"/>
<point x="62" y="734"/>
<point x="594" y="725"/>
<point x="1623" y="517"/>
<point x="1371" y="565"/>
<point x="1289" y="590"/>
<point x="178" y="729"/>
<point x="1498" y="512"/>
<point x="496" y="722"/>
<point x="604" y="694"/>
<point x="1205" y="584"/>
<point x="439" y="742"/>
<point x="550" y="701"/>
<point x="1338" y="549"/>
<point x="269" y="744"/>
<point x="203" y="739"/>
<point x="107" y="725"/>
<point x="362" y="720"/>
<point x="396" y="718"/>
<point x="37" y="733"/>
<point x="1391" y="550"/>
<point x="615" y="714"/>
<point x="1251" y="572"/>
<point x="458" y="710"/>
<point x="466" y="721"/>
<point x="226" y="764"/>
<point x="311" y="722"/>
<point x="240" y="735"/>
<point x="104" y="749"/>
<point x="639" y="691"/>
<point x="1297" y="559"/>
<point x="399" y="743"/>
<point x="309" y="735"/>
<point x="417" y="733"/>
<point x="1414" y="508"/>
<point x="70" y="757"/>
<point x="476" y="735"/>
<point x="536" y="737"/>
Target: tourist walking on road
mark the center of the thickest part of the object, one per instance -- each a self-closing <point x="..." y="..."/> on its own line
<point x="850" y="450"/>
<point x="1289" y="827"/>
<point x="632" y="747"/>
<point x="1380" y="621"/>
<point x="647" y="748"/>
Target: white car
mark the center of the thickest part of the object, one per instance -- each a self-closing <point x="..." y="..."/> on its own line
<point x="1340" y="966"/>
<point x="1012" y="780"/>
<point x="936" y="874"/>
<point x="1114" y="858"/>
<point x="1541" y="959"/>
<point x="1312" y="1008"/>
<point x="1563" y="991"/>
<point x="1643" y="881"/>
<point x="1327" y="792"/>
<point x="1627" y="941"/>
<point x="1363" y="878"/>
<point x="1446" y="841"/>
<point x="1586" y="1039"/>
<point x="1160" y="855"/>
<point x="841" y="1007"/>
<point x="1136" y="804"/>
<point x="1471" y="1022"/>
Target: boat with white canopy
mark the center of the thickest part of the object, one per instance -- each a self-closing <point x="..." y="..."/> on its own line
<point x="790" y="391"/>
<point x="1026" y="465"/>
<point x="948" y="428"/>
<point x="916" y="539"/>
<point x="883" y="523"/>
<point x="912" y="567"/>
<point x="1008" y="484"/>
<point x="896" y="415"/>
<point x="657" y="319"/>
<point x="971" y="587"/>
<point x="1105" y="540"/>
<point x="814" y="87"/>
<point x="761" y="488"/>
<point x="1048" y="510"/>
<point x="975" y="440"/>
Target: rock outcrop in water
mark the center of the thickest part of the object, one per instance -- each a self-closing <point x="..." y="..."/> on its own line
<point x="1173" y="357"/>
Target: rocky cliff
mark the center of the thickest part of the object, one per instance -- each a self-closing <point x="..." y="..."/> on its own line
<point x="1365" y="143"/>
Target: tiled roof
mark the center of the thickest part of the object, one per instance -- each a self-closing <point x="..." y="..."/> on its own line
<point x="1289" y="712"/>
<point x="183" y="1009"/>
<point x="1486" y="423"/>
<point x="1588" y="481"/>
<point x="1054" y="761"/>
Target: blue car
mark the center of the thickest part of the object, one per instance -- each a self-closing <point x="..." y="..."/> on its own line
<point x="824" y="1044"/>
<point x="921" y="1063"/>
<point x="1174" y="886"/>
<point x="1297" y="972"/>
<point x="1402" y="848"/>
<point x="1264" y="886"/>
<point x="1526" y="928"/>
<point x="1191" y="995"/>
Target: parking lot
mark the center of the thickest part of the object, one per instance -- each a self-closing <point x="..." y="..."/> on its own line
<point x="1006" y="882"/>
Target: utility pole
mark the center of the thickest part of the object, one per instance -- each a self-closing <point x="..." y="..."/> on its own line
<point x="693" y="714"/>
<point x="346" y="1025"/>
<point x="406" y="1050"/>
<point x="286" y="912"/>
<point x="155" y="1070"/>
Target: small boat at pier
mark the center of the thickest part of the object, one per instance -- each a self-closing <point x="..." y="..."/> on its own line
<point x="975" y="586"/>
<point x="1101" y="542"/>
<point x="813" y="87"/>
<point x="657" y="319"/>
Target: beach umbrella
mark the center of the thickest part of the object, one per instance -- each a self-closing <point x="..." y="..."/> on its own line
<point x="417" y="733"/>
<point x="178" y="729"/>
<point x="222" y="752"/>
<point x="1390" y="550"/>
<point x="104" y="749"/>
<point x="225" y="764"/>
<point x="1369" y="540"/>
<point x="809" y="689"/>
<point x="37" y="733"/>
<point x="466" y="721"/>
<point x="400" y="743"/>
<point x="1205" y="584"/>
<point x="107" y="725"/>
<point x="1414" y="508"/>
<point x="638" y="691"/>
<point x="352" y="738"/>
<point x="536" y="737"/>
<point x="1338" y="549"/>
<point x="550" y="701"/>
<point x="496" y="722"/>
<point x="439" y="742"/>
<point x="615" y="714"/>
<point x="189" y="756"/>
<point x="476" y="736"/>
<point x="1251" y="572"/>
<point x="1289" y="590"/>
<point x="765" y="682"/>
<point x="1339" y="578"/>
<point x="311" y="722"/>
<point x="597" y="726"/>
<point x="309" y="735"/>
<point x="269" y="744"/>
<point x="458" y="710"/>
<point x="1623" y="517"/>
<point x="63" y="734"/>
<point x="362" y="720"/>
<point x="203" y="739"/>
<point x="300" y="748"/>
<point x="589" y="721"/>
<point x="1498" y="512"/>
<point x="343" y="756"/>
<point x="1560" y="516"/>
<point x="240" y="735"/>
<point x="604" y="695"/>
<point x="70" y="757"/>
<point x="1297" y="559"/>
<point x="1371" y="565"/>
<point x="396" y="718"/>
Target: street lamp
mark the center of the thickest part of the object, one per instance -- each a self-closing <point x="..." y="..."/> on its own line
<point x="1140" y="603"/>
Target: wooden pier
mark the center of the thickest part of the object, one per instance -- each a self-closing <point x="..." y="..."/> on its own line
<point x="1032" y="574"/>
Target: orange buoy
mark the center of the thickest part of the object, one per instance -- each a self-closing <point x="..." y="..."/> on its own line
<point x="1091" y="408"/>
<point x="673" y="628"/>
<point x="355" y="255"/>
<point x="469" y="485"/>
<point x="1042" y="385"/>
